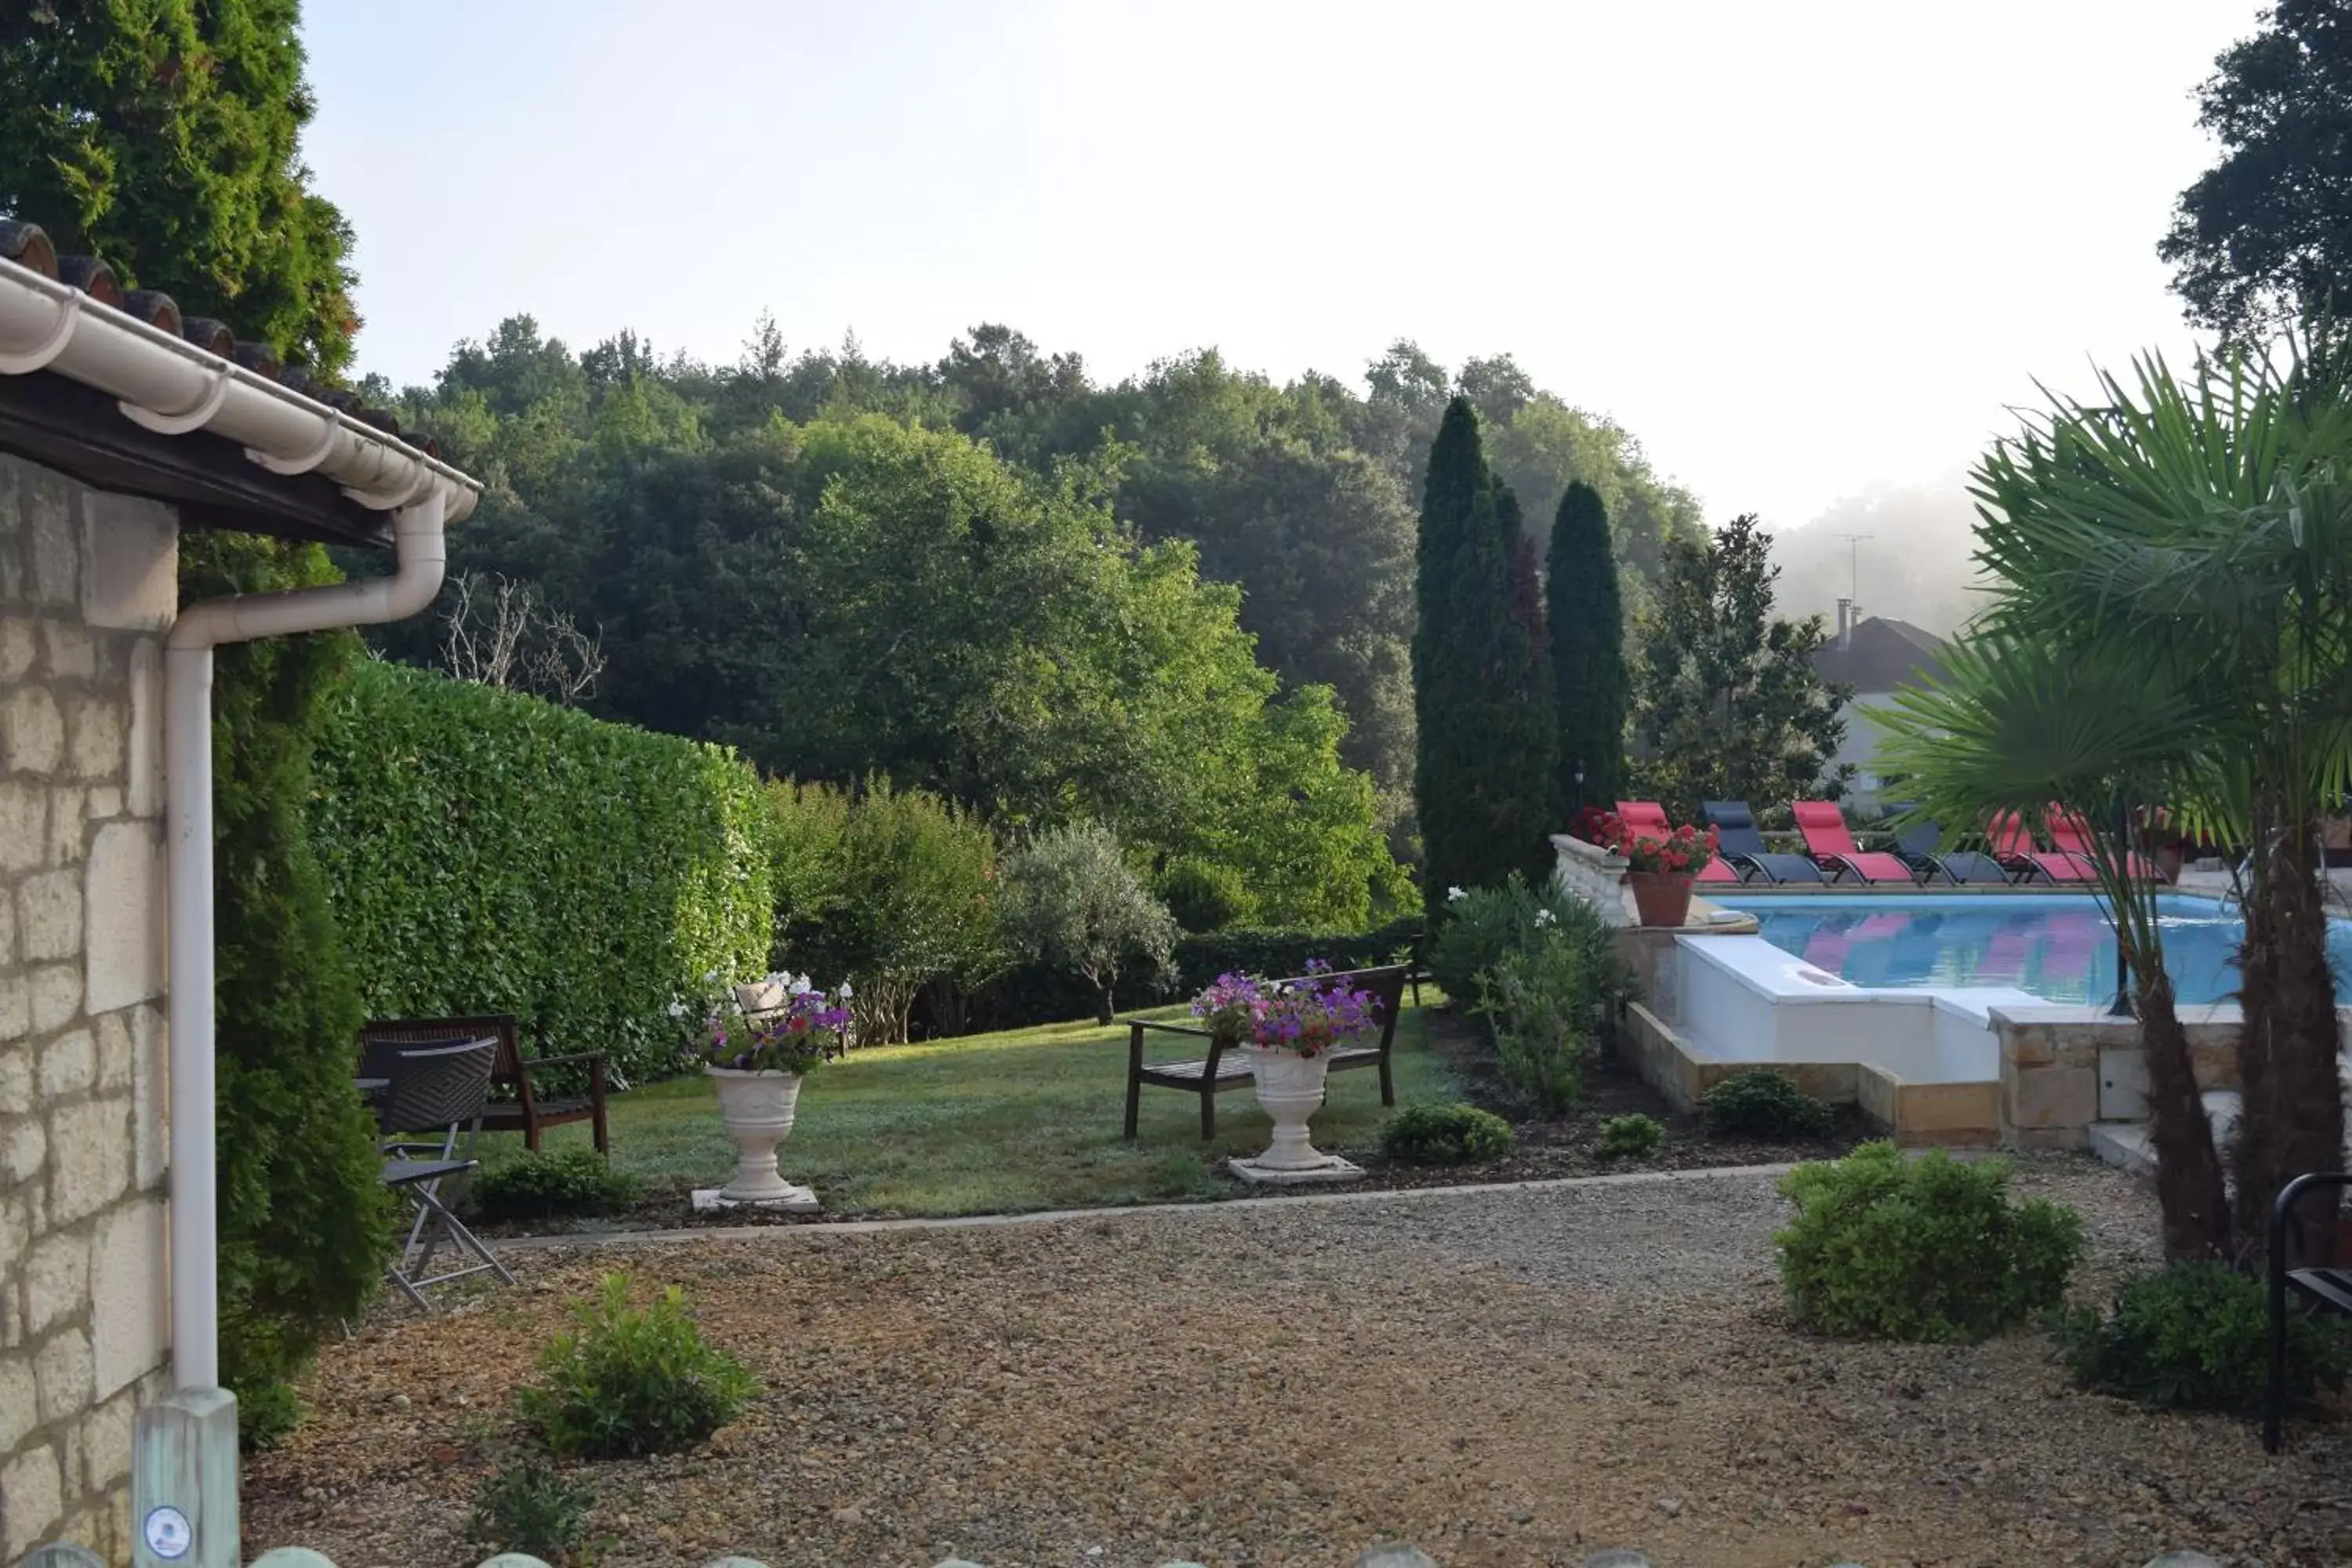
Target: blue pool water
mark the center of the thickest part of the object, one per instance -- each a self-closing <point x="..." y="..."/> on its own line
<point x="2059" y="948"/>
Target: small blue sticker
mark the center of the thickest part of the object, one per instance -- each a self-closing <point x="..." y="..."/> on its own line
<point x="167" y="1532"/>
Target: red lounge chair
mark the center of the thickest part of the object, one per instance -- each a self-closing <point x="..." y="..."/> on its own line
<point x="1831" y="845"/>
<point x="2013" y="847"/>
<point x="1649" y="817"/>
<point x="2070" y="834"/>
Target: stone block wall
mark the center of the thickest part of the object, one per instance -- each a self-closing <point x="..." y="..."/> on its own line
<point x="88" y="588"/>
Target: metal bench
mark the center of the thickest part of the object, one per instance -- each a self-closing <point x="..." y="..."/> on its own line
<point x="1225" y="1067"/>
<point x="2328" y="1289"/>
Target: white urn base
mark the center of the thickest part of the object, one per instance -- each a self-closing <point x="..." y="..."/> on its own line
<point x="1333" y="1169"/>
<point x="795" y="1200"/>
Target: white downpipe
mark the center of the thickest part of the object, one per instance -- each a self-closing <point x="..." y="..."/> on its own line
<point x="171" y="386"/>
<point x="188" y="796"/>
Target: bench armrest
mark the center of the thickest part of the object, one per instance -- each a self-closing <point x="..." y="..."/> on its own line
<point x="1172" y="1028"/>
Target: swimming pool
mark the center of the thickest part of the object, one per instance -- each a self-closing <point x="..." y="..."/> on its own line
<point x="2057" y="947"/>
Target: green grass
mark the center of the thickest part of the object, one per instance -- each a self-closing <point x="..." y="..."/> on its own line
<point x="994" y="1124"/>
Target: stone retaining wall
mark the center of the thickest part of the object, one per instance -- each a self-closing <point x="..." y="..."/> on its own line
<point x="88" y="586"/>
<point x="1590" y="873"/>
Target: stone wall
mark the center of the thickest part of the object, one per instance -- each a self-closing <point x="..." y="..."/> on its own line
<point x="88" y="586"/>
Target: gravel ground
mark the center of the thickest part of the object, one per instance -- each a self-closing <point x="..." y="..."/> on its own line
<point x="1506" y="1376"/>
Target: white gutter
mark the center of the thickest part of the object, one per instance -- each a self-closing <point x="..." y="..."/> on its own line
<point x="172" y="386"/>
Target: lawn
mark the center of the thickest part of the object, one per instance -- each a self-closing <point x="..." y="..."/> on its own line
<point x="994" y="1124"/>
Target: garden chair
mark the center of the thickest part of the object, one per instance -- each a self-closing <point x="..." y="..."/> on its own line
<point x="1210" y="1076"/>
<point x="2328" y="1290"/>
<point x="1831" y="844"/>
<point x="1916" y="846"/>
<point x="532" y="1110"/>
<point x="2014" y="847"/>
<point x="1649" y="817"/>
<point x="445" y="1086"/>
<point x="1743" y="845"/>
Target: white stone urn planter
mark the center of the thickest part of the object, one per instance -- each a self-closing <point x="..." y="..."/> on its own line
<point x="1290" y="1088"/>
<point x="756" y="1110"/>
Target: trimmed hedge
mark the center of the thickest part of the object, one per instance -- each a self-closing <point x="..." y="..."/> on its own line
<point x="1029" y="994"/>
<point x="491" y="852"/>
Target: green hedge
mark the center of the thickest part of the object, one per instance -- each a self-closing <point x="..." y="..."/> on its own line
<point x="491" y="852"/>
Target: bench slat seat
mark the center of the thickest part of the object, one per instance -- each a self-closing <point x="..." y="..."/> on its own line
<point x="1222" y="1069"/>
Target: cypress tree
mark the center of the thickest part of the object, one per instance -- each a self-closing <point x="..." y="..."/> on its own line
<point x="1587" y="652"/>
<point x="1485" y="758"/>
<point x="163" y="137"/>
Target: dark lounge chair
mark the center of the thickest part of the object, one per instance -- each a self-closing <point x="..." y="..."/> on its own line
<point x="1738" y="842"/>
<point x="1916" y="846"/>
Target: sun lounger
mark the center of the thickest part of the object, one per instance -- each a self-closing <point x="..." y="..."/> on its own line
<point x="1831" y="844"/>
<point x="2014" y="847"/>
<point x="1740" y="842"/>
<point x="1916" y="847"/>
<point x="2070" y="834"/>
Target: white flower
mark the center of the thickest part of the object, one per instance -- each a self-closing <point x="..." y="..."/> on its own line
<point x="844" y="991"/>
<point x="1543" y="917"/>
<point x="676" y="1009"/>
<point x="1455" y="895"/>
<point x="799" y="986"/>
<point x="711" y="977"/>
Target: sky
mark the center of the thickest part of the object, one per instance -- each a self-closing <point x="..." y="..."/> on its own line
<point x="1806" y="251"/>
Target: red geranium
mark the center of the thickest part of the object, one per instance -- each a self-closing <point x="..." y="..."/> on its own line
<point x="1679" y="851"/>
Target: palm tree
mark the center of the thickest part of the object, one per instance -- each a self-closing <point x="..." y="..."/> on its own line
<point x="2192" y="538"/>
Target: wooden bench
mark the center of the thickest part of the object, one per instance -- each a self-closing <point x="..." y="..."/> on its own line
<point x="1225" y="1067"/>
<point x="529" y="1112"/>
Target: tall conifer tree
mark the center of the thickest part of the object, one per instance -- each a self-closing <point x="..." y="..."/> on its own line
<point x="1485" y="758"/>
<point x="1587" y="620"/>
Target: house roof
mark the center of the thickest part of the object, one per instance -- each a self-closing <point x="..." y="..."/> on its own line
<point x="80" y="397"/>
<point x="1881" y="654"/>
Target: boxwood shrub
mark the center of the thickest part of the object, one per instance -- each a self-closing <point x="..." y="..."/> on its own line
<point x="1933" y="1249"/>
<point x="488" y="852"/>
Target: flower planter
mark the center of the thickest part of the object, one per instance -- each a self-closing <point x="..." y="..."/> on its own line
<point x="756" y="1110"/>
<point x="1661" y="898"/>
<point x="1290" y="1088"/>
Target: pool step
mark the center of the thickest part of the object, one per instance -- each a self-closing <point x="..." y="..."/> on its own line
<point x="2128" y="1146"/>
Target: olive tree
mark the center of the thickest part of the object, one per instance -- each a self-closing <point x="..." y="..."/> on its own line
<point x="1071" y="901"/>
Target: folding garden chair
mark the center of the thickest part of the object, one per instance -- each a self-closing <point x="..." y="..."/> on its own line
<point x="443" y="1087"/>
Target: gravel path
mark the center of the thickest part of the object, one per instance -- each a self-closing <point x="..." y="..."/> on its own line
<point x="1507" y="1377"/>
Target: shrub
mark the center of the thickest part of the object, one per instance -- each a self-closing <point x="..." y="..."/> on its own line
<point x="1539" y="998"/>
<point x="1203" y="896"/>
<point x="1932" y="1249"/>
<point x="631" y="1379"/>
<point x="305" y="1222"/>
<point x="1444" y="1135"/>
<point x="491" y="852"/>
<point x="2197" y="1336"/>
<point x="539" y="1184"/>
<point x="910" y="896"/>
<point x="529" y="1506"/>
<point x="1635" y="1137"/>
<point x="1072" y="903"/>
<point x="266" y="1411"/>
<point x="1484" y="924"/>
<point x="1762" y="1104"/>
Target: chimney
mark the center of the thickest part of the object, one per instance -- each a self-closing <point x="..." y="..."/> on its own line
<point x="1845" y="624"/>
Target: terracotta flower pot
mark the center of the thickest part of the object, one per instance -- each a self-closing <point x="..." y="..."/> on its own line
<point x="1661" y="898"/>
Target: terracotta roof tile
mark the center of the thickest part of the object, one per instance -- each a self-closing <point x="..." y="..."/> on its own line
<point x="29" y="245"/>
